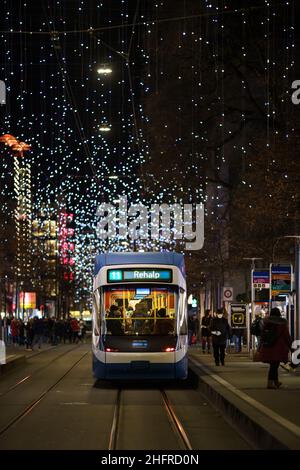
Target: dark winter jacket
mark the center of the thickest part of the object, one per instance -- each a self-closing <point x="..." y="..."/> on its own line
<point x="206" y="325"/>
<point x="279" y="349"/>
<point x="38" y="326"/>
<point x="193" y="325"/>
<point x="222" y="325"/>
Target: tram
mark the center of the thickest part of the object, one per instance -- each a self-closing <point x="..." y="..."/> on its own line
<point x="140" y="316"/>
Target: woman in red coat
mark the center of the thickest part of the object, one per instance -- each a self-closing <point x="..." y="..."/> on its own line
<point x="275" y="345"/>
<point x="14" y="328"/>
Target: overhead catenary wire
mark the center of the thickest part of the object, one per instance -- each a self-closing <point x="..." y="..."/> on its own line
<point x="143" y="23"/>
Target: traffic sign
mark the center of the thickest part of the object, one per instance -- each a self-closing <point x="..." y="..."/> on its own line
<point x="227" y="294"/>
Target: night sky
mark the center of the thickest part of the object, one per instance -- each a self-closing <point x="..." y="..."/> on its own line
<point x="195" y="87"/>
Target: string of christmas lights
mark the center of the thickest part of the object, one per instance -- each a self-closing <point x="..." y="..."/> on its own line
<point x="105" y="117"/>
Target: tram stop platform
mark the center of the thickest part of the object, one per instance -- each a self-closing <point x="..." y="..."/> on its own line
<point x="12" y="360"/>
<point x="17" y="356"/>
<point x="267" y="419"/>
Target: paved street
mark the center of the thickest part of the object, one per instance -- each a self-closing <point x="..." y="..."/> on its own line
<point x="77" y="412"/>
<point x="149" y="213"/>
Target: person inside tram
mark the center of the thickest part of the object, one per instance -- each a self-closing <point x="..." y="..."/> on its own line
<point x="114" y="321"/>
<point x="129" y="311"/>
<point x="140" y="312"/>
<point x="164" y="325"/>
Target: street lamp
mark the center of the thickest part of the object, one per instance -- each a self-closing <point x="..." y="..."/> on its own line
<point x="252" y="259"/>
<point x="104" y="128"/>
<point x="104" y="70"/>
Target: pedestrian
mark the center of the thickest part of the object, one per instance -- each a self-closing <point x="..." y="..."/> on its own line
<point x="75" y="330"/>
<point x="29" y="334"/>
<point x="237" y="334"/>
<point x="21" y="333"/>
<point x="193" y="326"/>
<point x="206" y="331"/>
<point x="220" y="331"/>
<point x="275" y="345"/>
<point x="38" y="332"/>
<point x="14" y="328"/>
<point x="256" y="328"/>
<point x="82" y="329"/>
<point x="69" y="330"/>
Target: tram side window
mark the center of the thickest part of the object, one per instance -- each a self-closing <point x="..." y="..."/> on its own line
<point x="96" y="313"/>
<point x="182" y="313"/>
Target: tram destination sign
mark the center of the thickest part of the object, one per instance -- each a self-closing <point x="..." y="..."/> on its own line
<point x="139" y="275"/>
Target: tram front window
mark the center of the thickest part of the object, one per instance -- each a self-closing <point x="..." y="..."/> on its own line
<point x="139" y="310"/>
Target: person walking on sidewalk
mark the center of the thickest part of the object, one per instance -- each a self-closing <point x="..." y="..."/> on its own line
<point x="256" y="328"/>
<point x="275" y="345"/>
<point x="206" y="331"/>
<point x="220" y="331"/>
<point x="193" y="327"/>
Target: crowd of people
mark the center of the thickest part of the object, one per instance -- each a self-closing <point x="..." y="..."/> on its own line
<point x="273" y="340"/>
<point x="36" y="331"/>
<point x="138" y="321"/>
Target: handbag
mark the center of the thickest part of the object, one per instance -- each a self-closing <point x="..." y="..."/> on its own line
<point x="194" y="339"/>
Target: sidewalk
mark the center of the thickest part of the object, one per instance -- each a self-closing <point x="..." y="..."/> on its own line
<point x="17" y="355"/>
<point x="12" y="350"/>
<point x="269" y="419"/>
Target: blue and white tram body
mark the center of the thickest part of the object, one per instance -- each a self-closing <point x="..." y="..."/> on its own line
<point x="140" y="316"/>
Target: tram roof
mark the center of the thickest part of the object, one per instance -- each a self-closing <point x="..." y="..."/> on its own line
<point x="166" y="258"/>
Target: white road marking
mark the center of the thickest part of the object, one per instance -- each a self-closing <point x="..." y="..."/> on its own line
<point x="74" y="403"/>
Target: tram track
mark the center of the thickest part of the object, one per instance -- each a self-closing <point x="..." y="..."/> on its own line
<point x="179" y="429"/>
<point x="174" y="421"/>
<point x="28" y="377"/>
<point x="29" y="408"/>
